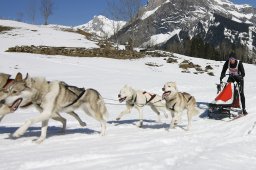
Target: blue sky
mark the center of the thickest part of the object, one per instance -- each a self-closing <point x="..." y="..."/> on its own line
<point x="65" y="12"/>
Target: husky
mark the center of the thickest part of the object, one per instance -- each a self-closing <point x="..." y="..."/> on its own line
<point x="177" y="102"/>
<point x="6" y="82"/>
<point x="138" y="99"/>
<point x="54" y="97"/>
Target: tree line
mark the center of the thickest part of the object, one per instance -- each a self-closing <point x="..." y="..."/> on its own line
<point x="197" y="47"/>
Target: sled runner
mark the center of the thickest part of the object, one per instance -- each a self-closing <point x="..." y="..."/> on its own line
<point x="227" y="102"/>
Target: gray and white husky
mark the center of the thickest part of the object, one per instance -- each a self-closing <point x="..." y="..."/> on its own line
<point x="54" y="97"/>
<point x="177" y="102"/>
<point x="138" y="99"/>
<point x="5" y="82"/>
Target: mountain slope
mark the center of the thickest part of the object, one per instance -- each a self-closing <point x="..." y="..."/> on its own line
<point x="181" y="20"/>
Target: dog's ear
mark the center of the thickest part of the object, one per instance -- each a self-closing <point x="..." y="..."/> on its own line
<point x="18" y="77"/>
<point x="26" y="77"/>
<point x="175" y="85"/>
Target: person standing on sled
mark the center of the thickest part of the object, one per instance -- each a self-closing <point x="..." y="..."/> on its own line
<point x="236" y="69"/>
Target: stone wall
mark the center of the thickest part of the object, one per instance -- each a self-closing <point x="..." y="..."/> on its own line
<point x="79" y="52"/>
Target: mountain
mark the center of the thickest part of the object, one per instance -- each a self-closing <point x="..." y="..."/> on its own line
<point x="176" y="24"/>
<point x="102" y="26"/>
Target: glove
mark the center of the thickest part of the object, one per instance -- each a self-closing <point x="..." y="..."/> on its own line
<point x="239" y="78"/>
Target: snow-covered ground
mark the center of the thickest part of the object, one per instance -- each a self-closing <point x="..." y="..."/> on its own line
<point x="27" y="34"/>
<point x="210" y="144"/>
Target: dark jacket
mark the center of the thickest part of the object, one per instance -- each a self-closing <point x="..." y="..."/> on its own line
<point x="240" y="68"/>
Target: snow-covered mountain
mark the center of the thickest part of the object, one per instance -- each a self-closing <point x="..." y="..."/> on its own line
<point x="102" y="26"/>
<point x="168" y="22"/>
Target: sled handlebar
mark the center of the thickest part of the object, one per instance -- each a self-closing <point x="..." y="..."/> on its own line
<point x="234" y="77"/>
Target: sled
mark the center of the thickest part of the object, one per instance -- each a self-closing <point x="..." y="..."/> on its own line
<point x="227" y="102"/>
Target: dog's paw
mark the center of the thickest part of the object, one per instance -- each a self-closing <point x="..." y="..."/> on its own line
<point x="172" y="126"/>
<point x="15" y="135"/>
<point x="118" y="118"/>
<point x="139" y="124"/>
<point x="83" y="124"/>
<point x="11" y="136"/>
<point x="38" y="141"/>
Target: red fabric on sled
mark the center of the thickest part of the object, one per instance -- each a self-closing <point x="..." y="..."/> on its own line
<point x="236" y="103"/>
<point x="226" y="93"/>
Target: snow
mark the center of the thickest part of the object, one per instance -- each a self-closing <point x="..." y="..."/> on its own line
<point x="27" y="34"/>
<point x="148" y="13"/>
<point x="161" y="38"/>
<point x="228" y="7"/>
<point x="209" y="145"/>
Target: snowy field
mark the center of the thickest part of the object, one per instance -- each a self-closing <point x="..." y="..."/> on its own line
<point x="215" y="145"/>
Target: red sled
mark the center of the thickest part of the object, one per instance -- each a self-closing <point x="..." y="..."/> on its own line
<point x="227" y="103"/>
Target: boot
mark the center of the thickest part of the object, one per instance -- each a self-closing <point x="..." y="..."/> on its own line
<point x="244" y="112"/>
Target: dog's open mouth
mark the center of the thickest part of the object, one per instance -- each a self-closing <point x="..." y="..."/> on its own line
<point x="122" y="99"/>
<point x="15" y="104"/>
<point x="165" y="94"/>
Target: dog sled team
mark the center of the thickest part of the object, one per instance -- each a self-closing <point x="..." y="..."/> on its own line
<point x="51" y="98"/>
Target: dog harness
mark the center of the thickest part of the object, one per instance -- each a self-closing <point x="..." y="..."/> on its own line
<point x="78" y="96"/>
<point x="152" y="96"/>
<point x="133" y="100"/>
<point x="172" y="107"/>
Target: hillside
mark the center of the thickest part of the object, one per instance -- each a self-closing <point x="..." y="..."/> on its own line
<point x="41" y="35"/>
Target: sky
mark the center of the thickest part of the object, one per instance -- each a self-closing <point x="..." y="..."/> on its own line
<point x="65" y="12"/>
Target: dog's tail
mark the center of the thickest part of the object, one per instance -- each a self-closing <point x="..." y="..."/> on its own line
<point x="194" y="111"/>
<point x="193" y="108"/>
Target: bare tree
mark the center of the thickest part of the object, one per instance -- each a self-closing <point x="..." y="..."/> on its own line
<point x="124" y="10"/>
<point x="114" y="13"/>
<point x="46" y="9"/>
<point x="32" y="10"/>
